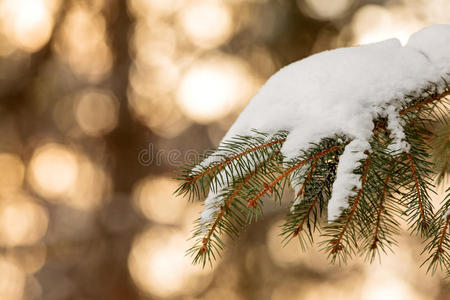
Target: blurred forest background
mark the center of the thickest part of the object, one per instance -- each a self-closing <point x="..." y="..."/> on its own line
<point x="101" y="101"/>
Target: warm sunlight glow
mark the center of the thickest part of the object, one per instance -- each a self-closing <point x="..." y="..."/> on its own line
<point x="373" y="23"/>
<point x="12" y="280"/>
<point x="96" y="112"/>
<point x="386" y="286"/>
<point x="22" y="222"/>
<point x="28" y="23"/>
<point x="154" y="43"/>
<point x="150" y="8"/>
<point x="325" y="9"/>
<point x="207" y="23"/>
<point x="162" y="117"/>
<point x="53" y="170"/>
<point x="155" y="199"/>
<point x="158" y="265"/>
<point x="82" y="44"/>
<point x="29" y="259"/>
<point x="212" y="89"/>
<point x="91" y="188"/>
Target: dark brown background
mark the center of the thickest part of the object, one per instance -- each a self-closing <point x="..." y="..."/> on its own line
<point x="101" y="101"/>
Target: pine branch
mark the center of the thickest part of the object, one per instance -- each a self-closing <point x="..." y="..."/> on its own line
<point x="206" y="241"/>
<point x="418" y="193"/>
<point x="340" y="241"/>
<point x="438" y="246"/>
<point x="383" y="210"/>
<point x="300" y="193"/>
<point x="432" y="97"/>
<point x="380" y="210"/>
<point x="232" y="214"/>
<point x="246" y="168"/>
<point x="233" y="156"/>
<point x="310" y="208"/>
<point x="252" y="202"/>
<point x="441" y="149"/>
<point x="416" y="175"/>
<point x="308" y="177"/>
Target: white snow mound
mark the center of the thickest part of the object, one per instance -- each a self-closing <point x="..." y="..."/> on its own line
<point x="340" y="92"/>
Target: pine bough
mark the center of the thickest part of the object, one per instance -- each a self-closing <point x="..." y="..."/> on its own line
<point x="364" y="180"/>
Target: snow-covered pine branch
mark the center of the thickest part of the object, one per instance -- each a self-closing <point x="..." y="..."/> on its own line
<point x="348" y="130"/>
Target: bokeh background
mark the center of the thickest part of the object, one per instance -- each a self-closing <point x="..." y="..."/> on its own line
<point x="102" y="101"/>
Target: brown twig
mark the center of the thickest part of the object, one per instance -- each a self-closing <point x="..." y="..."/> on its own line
<point x="380" y="210"/>
<point x="426" y="101"/>
<point x="313" y="166"/>
<point x="419" y="195"/>
<point x="224" y="210"/>
<point x="232" y="158"/>
<point x="252" y="201"/>
<point x="441" y="239"/>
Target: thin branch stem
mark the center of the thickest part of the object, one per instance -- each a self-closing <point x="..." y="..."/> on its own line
<point x="380" y="210"/>
<point x="268" y="187"/>
<point x="441" y="239"/>
<point x="300" y="225"/>
<point x="419" y="195"/>
<point x="226" y="206"/>
<point x="310" y="208"/>
<point x="426" y="101"/>
<point x="223" y="211"/>
<point x="308" y="177"/>
<point x="232" y="158"/>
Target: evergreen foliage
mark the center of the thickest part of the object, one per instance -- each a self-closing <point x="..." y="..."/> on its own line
<point x="393" y="186"/>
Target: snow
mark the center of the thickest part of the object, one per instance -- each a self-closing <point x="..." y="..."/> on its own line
<point x="395" y="125"/>
<point x="346" y="181"/>
<point x="340" y="92"/>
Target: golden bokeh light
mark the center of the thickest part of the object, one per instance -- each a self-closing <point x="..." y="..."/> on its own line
<point x="158" y="265"/>
<point x="82" y="43"/>
<point x="154" y="198"/>
<point x="12" y="280"/>
<point x="437" y="11"/>
<point x="22" y="221"/>
<point x="64" y="117"/>
<point x="96" y="112"/>
<point x="156" y="81"/>
<point x="27" y="23"/>
<point x="53" y="170"/>
<point x="163" y="117"/>
<point x="325" y="9"/>
<point x="13" y="171"/>
<point x="154" y="42"/>
<point x="74" y="199"/>
<point x="213" y="88"/>
<point x="374" y="23"/>
<point x="207" y="23"/>
<point x="91" y="187"/>
<point x="348" y="289"/>
<point x="150" y="8"/>
<point x="154" y="76"/>
<point x="383" y="284"/>
<point x="29" y="259"/>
